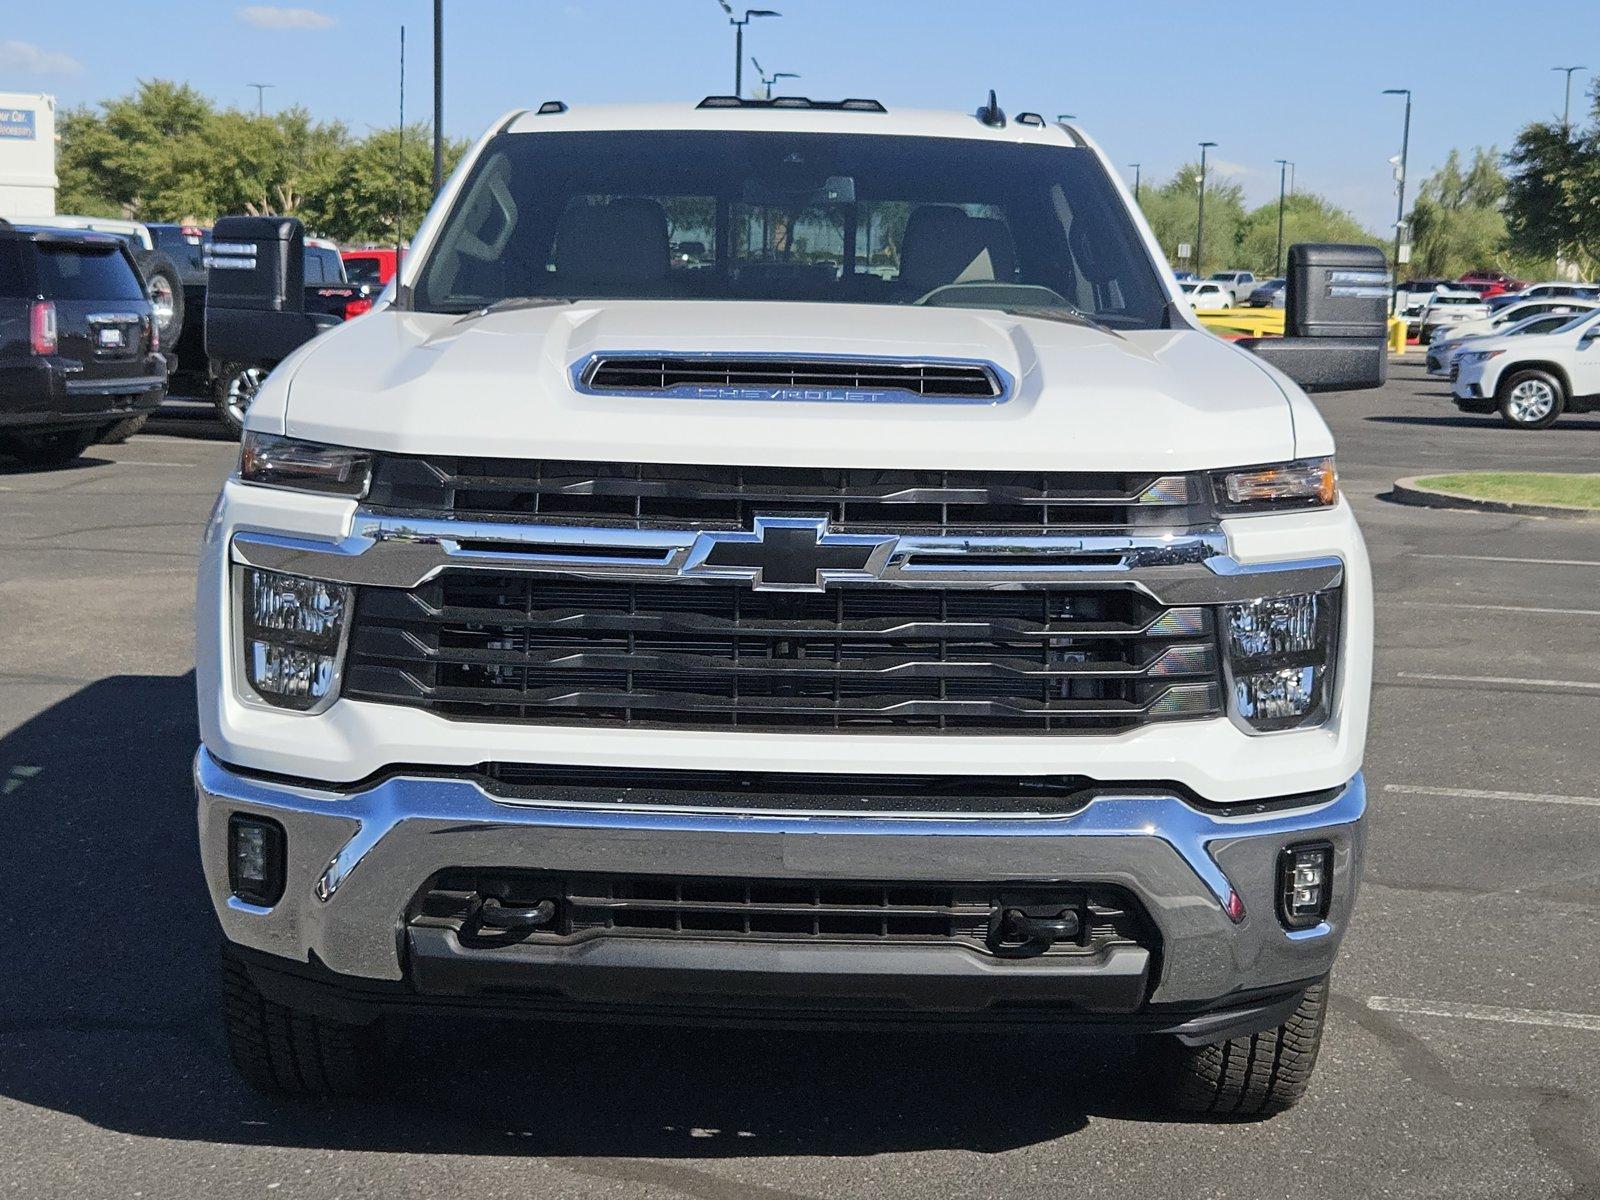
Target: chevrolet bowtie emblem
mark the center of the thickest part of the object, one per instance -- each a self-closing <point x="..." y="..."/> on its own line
<point x="789" y="554"/>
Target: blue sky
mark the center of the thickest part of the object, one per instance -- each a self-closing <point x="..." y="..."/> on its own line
<point x="1148" y="78"/>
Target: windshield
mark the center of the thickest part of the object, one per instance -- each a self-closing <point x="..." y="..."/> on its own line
<point x="1578" y="321"/>
<point x="363" y="270"/>
<point x="855" y="218"/>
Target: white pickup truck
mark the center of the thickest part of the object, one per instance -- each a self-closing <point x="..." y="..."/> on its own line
<point x="901" y="611"/>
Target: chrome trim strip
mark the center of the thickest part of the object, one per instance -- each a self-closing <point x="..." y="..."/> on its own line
<point x="1004" y="384"/>
<point x="405" y="552"/>
<point x="379" y="810"/>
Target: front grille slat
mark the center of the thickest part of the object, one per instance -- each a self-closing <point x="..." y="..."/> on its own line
<point x="673" y="496"/>
<point x="541" y="649"/>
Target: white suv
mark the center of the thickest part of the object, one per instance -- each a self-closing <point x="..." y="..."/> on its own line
<point x="900" y="610"/>
<point x="1532" y="379"/>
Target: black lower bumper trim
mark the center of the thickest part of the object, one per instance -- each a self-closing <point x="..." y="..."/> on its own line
<point x="452" y="990"/>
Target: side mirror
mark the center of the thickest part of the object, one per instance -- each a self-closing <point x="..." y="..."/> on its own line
<point x="1336" y="320"/>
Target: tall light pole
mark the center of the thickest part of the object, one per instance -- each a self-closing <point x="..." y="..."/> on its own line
<point x="768" y="80"/>
<point x="438" y="95"/>
<point x="1566" y="106"/>
<point x="1283" y="174"/>
<point x="1135" y="167"/>
<point x="1405" y="150"/>
<point x="261" y="91"/>
<point x="1200" y="220"/>
<point x="738" y="39"/>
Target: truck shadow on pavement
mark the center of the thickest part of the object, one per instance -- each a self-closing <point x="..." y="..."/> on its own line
<point x="107" y="1009"/>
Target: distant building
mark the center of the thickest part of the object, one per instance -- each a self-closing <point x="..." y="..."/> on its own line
<point x="27" y="154"/>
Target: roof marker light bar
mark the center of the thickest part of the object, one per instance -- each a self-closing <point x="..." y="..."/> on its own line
<point x="855" y="104"/>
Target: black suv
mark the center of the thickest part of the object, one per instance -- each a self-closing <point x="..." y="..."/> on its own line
<point x="79" y="351"/>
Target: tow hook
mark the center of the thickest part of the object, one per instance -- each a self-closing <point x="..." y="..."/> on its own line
<point x="491" y="914"/>
<point x="1029" y="930"/>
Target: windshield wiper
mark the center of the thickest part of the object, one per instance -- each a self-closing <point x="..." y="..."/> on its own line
<point x="1067" y="316"/>
<point x="512" y="303"/>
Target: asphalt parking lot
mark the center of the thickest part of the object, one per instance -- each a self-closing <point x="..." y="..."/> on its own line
<point x="1463" y="1059"/>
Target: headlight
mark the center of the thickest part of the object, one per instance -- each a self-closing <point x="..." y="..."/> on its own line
<point x="1280" y="660"/>
<point x="292" y="636"/>
<point x="1308" y="483"/>
<point x="1478" y="356"/>
<point x="304" y="466"/>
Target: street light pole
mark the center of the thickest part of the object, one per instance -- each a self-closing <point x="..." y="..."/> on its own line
<point x="1200" y="220"/>
<point x="768" y="80"/>
<point x="261" y="91"/>
<point x="738" y="39"/>
<point x="438" y="95"/>
<point x="1135" y="167"/>
<point x="1283" y="175"/>
<point x="1405" y="150"/>
<point x="1566" y="106"/>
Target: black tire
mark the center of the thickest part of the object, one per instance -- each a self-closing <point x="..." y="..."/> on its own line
<point x="1255" y="1076"/>
<point x="1531" y="399"/>
<point x="284" y="1051"/>
<point x="48" y="449"/>
<point x="164" y="285"/>
<point x="234" y="390"/>
<point x="124" y="429"/>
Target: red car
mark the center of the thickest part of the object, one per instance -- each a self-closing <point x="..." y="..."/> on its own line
<point x="374" y="265"/>
<point x="1491" y="283"/>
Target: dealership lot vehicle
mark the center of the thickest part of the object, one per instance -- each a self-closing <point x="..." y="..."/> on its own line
<point x="1519" y="320"/>
<point x="1538" y="291"/>
<point x="371" y="265"/>
<point x="1269" y="294"/>
<point x="1205" y="296"/>
<point x="79" y="346"/>
<point x="1238" y="284"/>
<point x="456" y="657"/>
<point x="1532" y="380"/>
<point x="1443" y="311"/>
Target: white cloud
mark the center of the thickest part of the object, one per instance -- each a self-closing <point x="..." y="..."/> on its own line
<point x="1222" y="166"/>
<point x="28" y="59"/>
<point x="272" y="16"/>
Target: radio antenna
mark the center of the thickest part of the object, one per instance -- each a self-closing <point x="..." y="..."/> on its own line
<point x="400" y="180"/>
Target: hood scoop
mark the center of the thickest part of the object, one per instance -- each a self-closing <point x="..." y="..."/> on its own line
<point x="795" y="378"/>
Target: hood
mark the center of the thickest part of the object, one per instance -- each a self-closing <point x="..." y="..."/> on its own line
<point x="1082" y="398"/>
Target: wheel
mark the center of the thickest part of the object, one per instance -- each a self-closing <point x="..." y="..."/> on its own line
<point x="48" y="449"/>
<point x="235" y="388"/>
<point x="1531" y="399"/>
<point x="1254" y="1076"/>
<point x="122" y="430"/>
<point x="164" y="286"/>
<point x="285" y="1051"/>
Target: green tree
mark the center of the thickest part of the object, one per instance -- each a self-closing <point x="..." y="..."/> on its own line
<point x="1552" y="195"/>
<point x="1172" y="208"/>
<point x="1457" y="223"/>
<point x="1307" y="217"/>
<point x="374" y="180"/>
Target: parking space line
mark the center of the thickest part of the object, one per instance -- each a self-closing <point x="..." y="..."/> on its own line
<point x="1484" y="794"/>
<point x="1565" y="612"/>
<point x="1543" y="562"/>
<point x="1538" y="683"/>
<point x="1589" y="1022"/>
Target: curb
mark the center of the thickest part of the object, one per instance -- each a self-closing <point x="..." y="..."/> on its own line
<point x="1409" y="491"/>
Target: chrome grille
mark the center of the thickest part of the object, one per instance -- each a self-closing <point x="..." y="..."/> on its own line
<point x="875" y="658"/>
<point x="668" y="495"/>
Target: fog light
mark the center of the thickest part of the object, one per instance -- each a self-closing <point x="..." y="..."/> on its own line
<point x="1280" y="656"/>
<point x="1305" y="884"/>
<point x="256" y="854"/>
<point x="293" y="631"/>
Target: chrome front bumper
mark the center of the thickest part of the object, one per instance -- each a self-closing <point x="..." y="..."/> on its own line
<point x="357" y="859"/>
